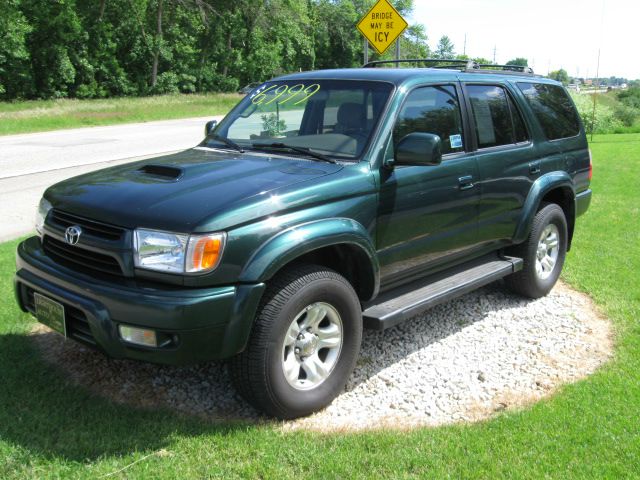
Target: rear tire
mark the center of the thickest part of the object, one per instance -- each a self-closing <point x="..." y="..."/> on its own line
<point x="543" y="254"/>
<point x="304" y="343"/>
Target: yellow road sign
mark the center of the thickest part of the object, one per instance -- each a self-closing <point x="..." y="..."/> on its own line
<point x="382" y="25"/>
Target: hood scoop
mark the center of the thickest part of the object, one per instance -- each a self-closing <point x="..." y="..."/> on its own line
<point x="164" y="172"/>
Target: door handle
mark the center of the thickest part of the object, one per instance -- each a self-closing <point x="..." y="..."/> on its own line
<point x="534" y="168"/>
<point x="466" y="182"/>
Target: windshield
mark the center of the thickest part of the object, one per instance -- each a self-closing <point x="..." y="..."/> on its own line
<point x="330" y="117"/>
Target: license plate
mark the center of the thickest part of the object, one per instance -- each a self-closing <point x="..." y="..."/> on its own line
<point x="50" y="313"/>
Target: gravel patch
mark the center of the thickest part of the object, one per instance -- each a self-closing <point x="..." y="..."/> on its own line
<point x="462" y="361"/>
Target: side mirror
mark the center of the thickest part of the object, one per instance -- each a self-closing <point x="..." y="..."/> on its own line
<point x="209" y="126"/>
<point x="419" y="149"/>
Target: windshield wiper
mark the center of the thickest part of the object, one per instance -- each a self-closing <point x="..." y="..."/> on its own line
<point x="227" y="142"/>
<point x="303" y="150"/>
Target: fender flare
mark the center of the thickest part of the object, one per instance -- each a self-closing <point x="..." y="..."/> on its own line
<point x="299" y="240"/>
<point x="542" y="186"/>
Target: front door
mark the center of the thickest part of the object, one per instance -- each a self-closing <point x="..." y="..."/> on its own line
<point x="427" y="216"/>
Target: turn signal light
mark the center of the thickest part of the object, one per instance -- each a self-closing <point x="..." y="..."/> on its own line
<point x="204" y="252"/>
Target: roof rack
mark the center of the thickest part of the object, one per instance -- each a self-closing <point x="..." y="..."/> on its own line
<point x="462" y="65"/>
<point x="519" y="69"/>
<point x="439" y="63"/>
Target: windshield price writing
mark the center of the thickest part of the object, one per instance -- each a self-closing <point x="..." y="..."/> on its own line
<point x="286" y="93"/>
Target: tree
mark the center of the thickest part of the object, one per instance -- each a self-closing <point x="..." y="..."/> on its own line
<point x="57" y="47"/>
<point x="478" y="60"/>
<point x="103" y="48"/>
<point x="413" y="43"/>
<point x="444" y="49"/>
<point x="560" y="75"/>
<point x="15" y="78"/>
<point x="519" y="61"/>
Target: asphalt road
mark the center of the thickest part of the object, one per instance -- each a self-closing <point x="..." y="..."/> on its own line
<point x="30" y="163"/>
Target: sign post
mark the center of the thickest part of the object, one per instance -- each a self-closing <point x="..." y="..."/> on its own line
<point x="381" y="27"/>
<point x="366" y="51"/>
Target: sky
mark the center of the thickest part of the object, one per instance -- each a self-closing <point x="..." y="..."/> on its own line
<point x="550" y="34"/>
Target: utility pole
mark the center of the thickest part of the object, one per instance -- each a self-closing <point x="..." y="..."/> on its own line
<point x="494" y="54"/>
<point x="595" y="95"/>
<point x="464" y="49"/>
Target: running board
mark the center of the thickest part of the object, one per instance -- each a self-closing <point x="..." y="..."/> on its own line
<point x="400" y="304"/>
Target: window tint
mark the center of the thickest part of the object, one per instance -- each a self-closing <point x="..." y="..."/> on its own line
<point x="553" y="109"/>
<point x="491" y="114"/>
<point x="519" y="129"/>
<point x="432" y="110"/>
<point x="497" y="120"/>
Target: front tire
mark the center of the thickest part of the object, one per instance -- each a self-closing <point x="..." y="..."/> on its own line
<point x="543" y="254"/>
<point x="304" y="343"/>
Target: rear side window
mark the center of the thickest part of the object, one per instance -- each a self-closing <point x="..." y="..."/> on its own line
<point x="432" y="110"/>
<point x="553" y="109"/>
<point x="497" y="120"/>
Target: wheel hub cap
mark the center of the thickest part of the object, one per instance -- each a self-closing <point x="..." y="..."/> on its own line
<point x="312" y="346"/>
<point x="547" y="251"/>
<point x="307" y="344"/>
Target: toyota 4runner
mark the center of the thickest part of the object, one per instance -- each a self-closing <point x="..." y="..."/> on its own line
<point x="324" y="202"/>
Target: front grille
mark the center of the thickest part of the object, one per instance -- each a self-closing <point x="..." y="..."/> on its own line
<point x="75" y="256"/>
<point x="91" y="227"/>
<point x="75" y="319"/>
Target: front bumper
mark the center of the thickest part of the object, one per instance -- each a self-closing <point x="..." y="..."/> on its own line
<point x="205" y="324"/>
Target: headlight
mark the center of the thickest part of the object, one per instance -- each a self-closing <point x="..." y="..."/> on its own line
<point x="177" y="253"/>
<point x="41" y="214"/>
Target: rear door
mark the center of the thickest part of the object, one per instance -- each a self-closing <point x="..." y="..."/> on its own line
<point x="507" y="159"/>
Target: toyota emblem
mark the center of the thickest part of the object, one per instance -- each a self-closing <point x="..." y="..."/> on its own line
<point x="72" y="234"/>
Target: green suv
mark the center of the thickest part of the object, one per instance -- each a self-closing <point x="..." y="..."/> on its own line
<point x="324" y="203"/>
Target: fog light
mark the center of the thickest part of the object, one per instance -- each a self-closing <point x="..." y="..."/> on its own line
<point x="138" y="336"/>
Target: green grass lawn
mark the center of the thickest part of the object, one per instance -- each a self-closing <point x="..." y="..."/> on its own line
<point x="590" y="429"/>
<point x="41" y="115"/>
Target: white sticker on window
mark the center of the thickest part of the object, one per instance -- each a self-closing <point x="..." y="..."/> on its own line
<point x="455" y="141"/>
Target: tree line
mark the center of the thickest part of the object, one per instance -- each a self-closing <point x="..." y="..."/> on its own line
<point x="103" y="48"/>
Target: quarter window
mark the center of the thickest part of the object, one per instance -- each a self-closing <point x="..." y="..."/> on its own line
<point x="519" y="130"/>
<point x="497" y="120"/>
<point x="553" y="109"/>
<point x="432" y="110"/>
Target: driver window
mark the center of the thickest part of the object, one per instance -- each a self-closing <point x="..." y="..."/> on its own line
<point x="432" y="110"/>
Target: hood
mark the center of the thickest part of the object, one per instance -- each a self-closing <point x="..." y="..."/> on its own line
<point x="176" y="192"/>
